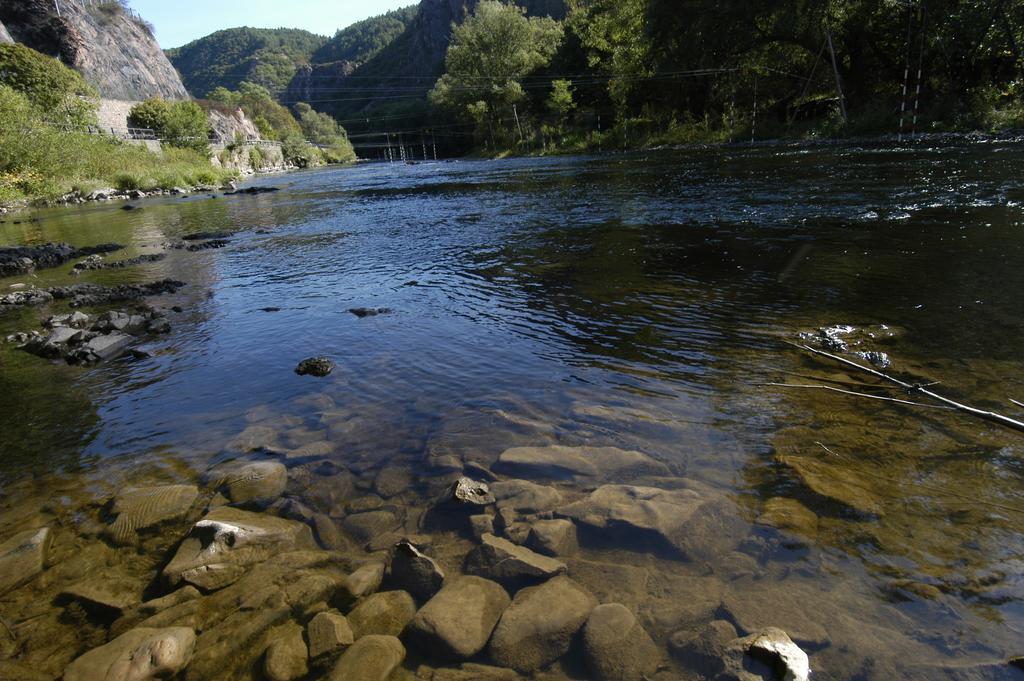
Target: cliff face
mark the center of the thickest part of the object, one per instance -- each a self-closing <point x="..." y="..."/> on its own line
<point x="112" y="50"/>
<point x="5" y="37"/>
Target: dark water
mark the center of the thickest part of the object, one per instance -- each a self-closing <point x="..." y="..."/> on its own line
<point x="633" y="301"/>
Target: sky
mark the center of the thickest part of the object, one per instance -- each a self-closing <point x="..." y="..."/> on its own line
<point x="181" y="21"/>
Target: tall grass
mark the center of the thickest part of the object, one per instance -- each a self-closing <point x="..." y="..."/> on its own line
<point x="40" y="162"/>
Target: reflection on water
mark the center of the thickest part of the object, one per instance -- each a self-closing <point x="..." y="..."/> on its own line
<point x="638" y="302"/>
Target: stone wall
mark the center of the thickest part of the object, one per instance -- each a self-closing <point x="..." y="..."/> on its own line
<point x="113" y="115"/>
<point x="249" y="158"/>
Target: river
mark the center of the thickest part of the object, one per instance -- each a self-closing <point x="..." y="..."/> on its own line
<point x="640" y="302"/>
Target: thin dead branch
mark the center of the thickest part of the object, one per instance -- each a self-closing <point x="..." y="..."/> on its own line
<point x="857" y="394"/>
<point x="922" y="390"/>
<point x="1019" y="404"/>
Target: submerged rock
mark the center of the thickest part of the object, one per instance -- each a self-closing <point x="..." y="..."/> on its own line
<point x="524" y="496"/>
<point x="387" y="612"/>
<point x="684" y="522"/>
<point x="510" y="565"/>
<point x="467" y="672"/>
<point x="362" y="312"/>
<point x="414" y="571"/>
<point x="704" y="651"/>
<point x="365" y="526"/>
<point x="553" y="538"/>
<point x="791" y="517"/>
<point x="371" y="658"/>
<point x="457" y="623"/>
<point x="315" y="366"/>
<point x="220" y="547"/>
<point x="835" y="482"/>
<point x="794" y="606"/>
<point x="15" y="260"/>
<point x="467" y="493"/>
<point x="362" y="583"/>
<point x="287" y="656"/>
<point x="539" y="626"/>
<point x="109" y="595"/>
<point x="329" y="633"/>
<point x="617" y="647"/>
<point x="141" y="508"/>
<point x="559" y="462"/>
<point x="22" y="558"/>
<point x="251" y="482"/>
<point x="138" y="655"/>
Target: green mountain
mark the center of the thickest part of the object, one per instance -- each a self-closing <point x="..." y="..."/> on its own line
<point x="363" y="39"/>
<point x="267" y="57"/>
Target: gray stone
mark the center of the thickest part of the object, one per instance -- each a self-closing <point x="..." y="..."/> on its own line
<point x="366" y="526"/>
<point x="480" y="525"/>
<point x="769" y="655"/>
<point x="329" y="633"/>
<point x="220" y="547"/>
<point x="387" y="613"/>
<point x="107" y="346"/>
<point x="313" y="450"/>
<point x="617" y="647"/>
<point x="469" y="493"/>
<point x="553" y="538"/>
<point x="250" y="482"/>
<point x="753" y="606"/>
<point x="327" y="532"/>
<point x="109" y="594"/>
<point x="22" y="558"/>
<point x="140" y="508"/>
<point x="524" y="496"/>
<point x="539" y="626"/>
<point x="414" y="571"/>
<point x="682" y="522"/>
<point x="510" y="565"/>
<point x="457" y="623"/>
<point x="315" y="366"/>
<point x="577" y="463"/>
<point x="255" y="438"/>
<point x="137" y="655"/>
<point x="287" y="656"/>
<point x="371" y="658"/>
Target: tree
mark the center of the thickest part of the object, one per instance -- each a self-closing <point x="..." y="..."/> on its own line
<point x="59" y="93"/>
<point x="489" y="56"/>
<point x="178" y="124"/>
<point x="560" y="101"/>
<point x="319" y="128"/>
<point x="257" y="102"/>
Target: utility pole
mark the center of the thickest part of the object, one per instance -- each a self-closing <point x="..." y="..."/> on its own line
<point x="835" y="68"/>
<point x="515" y="113"/>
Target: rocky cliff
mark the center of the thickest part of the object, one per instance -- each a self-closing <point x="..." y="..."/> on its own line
<point x="5" y="37"/>
<point x="112" y="49"/>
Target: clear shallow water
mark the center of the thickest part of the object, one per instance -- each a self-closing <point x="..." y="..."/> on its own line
<point x="632" y="301"/>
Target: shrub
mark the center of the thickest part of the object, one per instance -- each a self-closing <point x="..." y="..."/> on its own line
<point x="179" y="124"/>
<point x="60" y="94"/>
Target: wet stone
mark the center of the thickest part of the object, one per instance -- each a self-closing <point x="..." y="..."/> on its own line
<point x="287" y="656"/>
<point x="387" y="612"/>
<point x="510" y="565"/>
<point x="413" y="571"/>
<point x="791" y="517"/>
<point x="360" y="584"/>
<point x="371" y="658"/>
<point x="539" y="626"/>
<point x="220" y="547"/>
<point x="313" y="450"/>
<point x="836" y="483"/>
<point x="392" y="481"/>
<point x="22" y="558"/>
<point x="365" y="526"/>
<point x="363" y="312"/>
<point x="752" y="606"/>
<point x="252" y="482"/>
<point x="553" y="538"/>
<point x="467" y="672"/>
<point x="110" y="595"/>
<point x="255" y="438"/>
<point x="704" y="650"/>
<point x="137" y="655"/>
<point x="329" y="633"/>
<point x="769" y="655"/>
<point x="457" y="623"/>
<point x="617" y="647"/>
<point x="524" y="496"/>
<point x="315" y="366"/>
<point x="468" y="493"/>
<point x="141" y="508"/>
<point x="558" y="462"/>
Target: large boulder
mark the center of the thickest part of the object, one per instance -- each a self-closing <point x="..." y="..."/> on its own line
<point x="539" y="626"/>
<point x="559" y="462"/>
<point x="140" y="508"/>
<point x="386" y="613"/>
<point x="221" y="546"/>
<point x="137" y="655"/>
<point x="22" y="558"/>
<point x="457" y="622"/>
<point x="371" y="658"/>
<point x="682" y="522"/>
<point x="510" y="565"/>
<point x="617" y="647"/>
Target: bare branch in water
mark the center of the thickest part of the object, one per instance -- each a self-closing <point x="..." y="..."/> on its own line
<point x="857" y="394"/>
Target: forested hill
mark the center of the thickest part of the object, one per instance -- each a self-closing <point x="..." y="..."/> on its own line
<point x="363" y="39"/>
<point x="267" y="57"/>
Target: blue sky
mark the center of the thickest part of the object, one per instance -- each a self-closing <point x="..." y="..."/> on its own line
<point x="180" y="21"/>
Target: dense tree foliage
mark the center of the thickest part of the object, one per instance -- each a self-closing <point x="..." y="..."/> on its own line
<point x="364" y="39"/>
<point x="58" y="93"/>
<point x="178" y="124"/>
<point x="266" y="57"/>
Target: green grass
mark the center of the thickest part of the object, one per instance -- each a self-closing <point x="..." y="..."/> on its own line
<point x="40" y="163"/>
